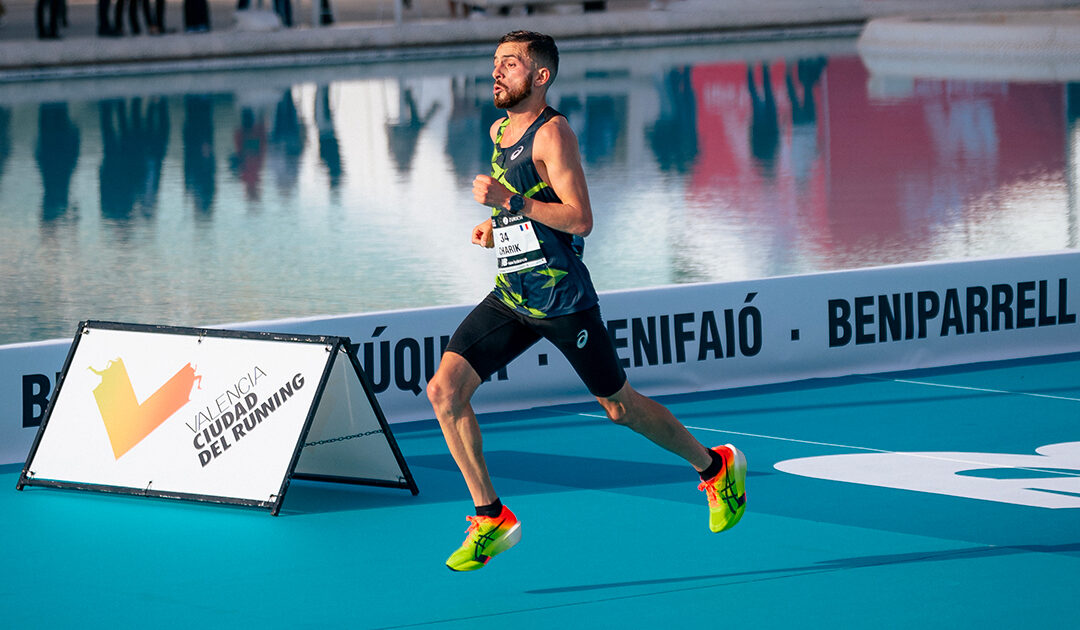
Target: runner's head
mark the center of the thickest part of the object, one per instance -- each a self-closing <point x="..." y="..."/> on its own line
<point x="541" y="49"/>
<point x="523" y="61"/>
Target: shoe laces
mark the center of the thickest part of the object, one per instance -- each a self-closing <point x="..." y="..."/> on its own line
<point x="710" y="490"/>
<point x="475" y="523"/>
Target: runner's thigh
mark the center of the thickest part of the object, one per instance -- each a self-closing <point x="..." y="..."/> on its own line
<point x="583" y="340"/>
<point x="490" y="337"/>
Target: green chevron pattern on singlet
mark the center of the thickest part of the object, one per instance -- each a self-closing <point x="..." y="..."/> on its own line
<point x="499" y="173"/>
<point x="561" y="285"/>
<point x="513" y="299"/>
<point x="509" y="297"/>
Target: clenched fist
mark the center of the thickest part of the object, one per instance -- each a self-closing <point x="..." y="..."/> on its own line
<point x="481" y="235"/>
<point x="488" y="191"/>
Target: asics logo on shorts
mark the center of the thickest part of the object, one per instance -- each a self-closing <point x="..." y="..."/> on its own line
<point x="582" y="338"/>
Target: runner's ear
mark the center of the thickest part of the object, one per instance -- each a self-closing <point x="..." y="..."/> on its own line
<point x="542" y="77"/>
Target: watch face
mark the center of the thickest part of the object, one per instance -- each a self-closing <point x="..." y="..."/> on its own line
<point x="517" y="204"/>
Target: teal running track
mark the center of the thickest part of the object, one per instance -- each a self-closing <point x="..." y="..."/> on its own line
<point x="912" y="500"/>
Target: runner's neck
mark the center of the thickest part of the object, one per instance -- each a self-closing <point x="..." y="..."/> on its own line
<point x="520" y="121"/>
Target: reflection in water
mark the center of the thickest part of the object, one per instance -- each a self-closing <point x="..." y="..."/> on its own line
<point x="936" y="170"/>
<point x="134" y="142"/>
<point x="468" y="145"/>
<point x="599" y="123"/>
<point x="329" y="151"/>
<point x="249" y="143"/>
<point x="403" y="132"/>
<point x="200" y="161"/>
<point x="5" y="138"/>
<point x="57" y="154"/>
<point x="673" y="137"/>
<point x="764" y="125"/>
<point x="1072" y="143"/>
<point x="802" y="81"/>
<point x="286" y="145"/>
<point x="698" y="171"/>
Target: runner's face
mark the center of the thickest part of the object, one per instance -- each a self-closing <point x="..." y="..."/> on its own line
<point x="513" y="75"/>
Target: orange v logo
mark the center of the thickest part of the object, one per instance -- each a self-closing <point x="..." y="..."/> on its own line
<point x="127" y="421"/>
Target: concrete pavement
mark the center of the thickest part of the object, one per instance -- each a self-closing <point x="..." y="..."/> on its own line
<point x="1011" y="46"/>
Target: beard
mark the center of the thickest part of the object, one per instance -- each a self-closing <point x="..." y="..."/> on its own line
<point x="511" y="97"/>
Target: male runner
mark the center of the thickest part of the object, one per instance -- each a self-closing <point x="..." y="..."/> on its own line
<point x="540" y="212"/>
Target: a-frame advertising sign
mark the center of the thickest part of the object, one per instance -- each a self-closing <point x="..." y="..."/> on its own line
<point x="211" y="415"/>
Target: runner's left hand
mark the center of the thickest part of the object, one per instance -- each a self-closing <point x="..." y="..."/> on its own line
<point x="481" y="235"/>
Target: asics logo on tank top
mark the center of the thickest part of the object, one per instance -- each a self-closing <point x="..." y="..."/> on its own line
<point x="516" y="153"/>
<point x="582" y="339"/>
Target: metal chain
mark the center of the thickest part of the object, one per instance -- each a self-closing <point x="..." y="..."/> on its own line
<point x="343" y="438"/>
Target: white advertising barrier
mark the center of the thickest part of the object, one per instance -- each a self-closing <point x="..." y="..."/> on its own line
<point x="695" y="337"/>
<point x="210" y="415"/>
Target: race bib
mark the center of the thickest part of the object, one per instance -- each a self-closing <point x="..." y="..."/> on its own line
<point x="515" y="243"/>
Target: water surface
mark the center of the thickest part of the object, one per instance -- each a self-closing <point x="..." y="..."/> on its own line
<point x="206" y="198"/>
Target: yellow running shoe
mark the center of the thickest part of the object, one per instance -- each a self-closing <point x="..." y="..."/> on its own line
<point x="727" y="490"/>
<point x="487" y="537"/>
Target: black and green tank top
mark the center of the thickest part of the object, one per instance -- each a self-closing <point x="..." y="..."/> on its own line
<point x="540" y="271"/>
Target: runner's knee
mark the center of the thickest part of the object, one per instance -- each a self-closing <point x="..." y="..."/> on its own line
<point x="622" y="406"/>
<point x="617" y="412"/>
<point x="449" y="391"/>
<point x="442" y="394"/>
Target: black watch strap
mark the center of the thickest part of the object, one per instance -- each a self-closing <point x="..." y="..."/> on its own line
<point x="517" y="203"/>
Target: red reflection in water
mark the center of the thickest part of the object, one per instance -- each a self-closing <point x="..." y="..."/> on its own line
<point x="804" y="150"/>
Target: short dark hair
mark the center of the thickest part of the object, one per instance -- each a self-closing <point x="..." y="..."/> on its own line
<point x="541" y="48"/>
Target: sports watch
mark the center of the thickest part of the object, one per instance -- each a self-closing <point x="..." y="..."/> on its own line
<point x="517" y="203"/>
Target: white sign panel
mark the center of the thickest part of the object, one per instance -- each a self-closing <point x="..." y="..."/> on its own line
<point x="348" y="440"/>
<point x="194" y="414"/>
